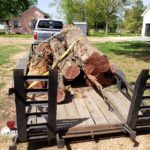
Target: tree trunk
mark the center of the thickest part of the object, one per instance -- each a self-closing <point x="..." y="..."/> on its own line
<point x="106" y="27"/>
<point x="7" y="31"/>
<point x="68" y="65"/>
<point x="95" y="26"/>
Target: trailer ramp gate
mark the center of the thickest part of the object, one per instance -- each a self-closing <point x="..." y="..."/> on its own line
<point x="138" y="115"/>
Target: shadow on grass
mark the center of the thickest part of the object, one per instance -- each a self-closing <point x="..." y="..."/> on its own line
<point x="141" y="51"/>
<point x="143" y="55"/>
<point x="138" y="50"/>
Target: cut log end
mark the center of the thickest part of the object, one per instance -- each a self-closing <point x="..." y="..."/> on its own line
<point x="106" y="79"/>
<point x="72" y="72"/>
<point x="80" y="57"/>
<point x="96" y="64"/>
<point x="61" y="93"/>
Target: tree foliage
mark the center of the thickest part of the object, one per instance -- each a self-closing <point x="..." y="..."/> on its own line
<point x="133" y="18"/>
<point x="12" y="8"/>
<point x="94" y="12"/>
<point x="73" y="10"/>
<point x="110" y="9"/>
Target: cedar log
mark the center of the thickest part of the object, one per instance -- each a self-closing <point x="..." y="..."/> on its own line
<point x="67" y="66"/>
<point x="93" y="61"/>
<point x="40" y="63"/>
<point x="83" y="56"/>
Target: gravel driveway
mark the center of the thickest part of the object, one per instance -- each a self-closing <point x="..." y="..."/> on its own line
<point x="117" y="39"/>
<point x="13" y="41"/>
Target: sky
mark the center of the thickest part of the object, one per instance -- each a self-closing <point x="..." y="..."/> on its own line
<point x="44" y="6"/>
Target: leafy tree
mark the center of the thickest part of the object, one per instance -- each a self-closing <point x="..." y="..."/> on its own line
<point x="12" y="8"/>
<point x="67" y="7"/>
<point x="132" y="17"/>
<point x="110" y="9"/>
<point x="95" y="12"/>
<point x="73" y="10"/>
<point x="113" y="24"/>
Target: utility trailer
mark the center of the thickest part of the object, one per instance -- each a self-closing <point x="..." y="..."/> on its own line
<point x="85" y="115"/>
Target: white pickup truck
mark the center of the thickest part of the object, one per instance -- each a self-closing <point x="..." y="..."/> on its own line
<point x="46" y="28"/>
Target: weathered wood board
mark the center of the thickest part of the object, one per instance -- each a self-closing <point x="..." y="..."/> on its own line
<point x="87" y="108"/>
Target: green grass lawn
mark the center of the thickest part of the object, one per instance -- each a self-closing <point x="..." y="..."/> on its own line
<point x="2" y="85"/>
<point x="130" y="57"/>
<point x="8" y="51"/>
<point x="16" y="35"/>
<point x="102" y="34"/>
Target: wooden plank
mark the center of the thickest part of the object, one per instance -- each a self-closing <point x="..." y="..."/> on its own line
<point x="31" y="120"/>
<point x="119" y="103"/>
<point x="36" y="120"/>
<point x="73" y="114"/>
<point x="83" y="111"/>
<point x="97" y="115"/>
<point x="52" y="98"/>
<point x="62" y="121"/>
<point x="110" y="116"/>
<point x="20" y="97"/>
<point x="36" y="109"/>
<point x="61" y="112"/>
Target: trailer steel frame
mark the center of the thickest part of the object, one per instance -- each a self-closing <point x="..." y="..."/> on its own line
<point x="50" y="131"/>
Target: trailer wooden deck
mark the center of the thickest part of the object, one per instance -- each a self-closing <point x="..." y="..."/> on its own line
<point x="88" y="108"/>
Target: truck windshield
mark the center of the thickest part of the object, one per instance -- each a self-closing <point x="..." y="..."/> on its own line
<point x="50" y="24"/>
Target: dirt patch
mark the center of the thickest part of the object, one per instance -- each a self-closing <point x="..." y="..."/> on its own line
<point x="117" y="39"/>
<point x="18" y="41"/>
<point x="14" y="41"/>
<point x="117" y="143"/>
<point x="7" y="105"/>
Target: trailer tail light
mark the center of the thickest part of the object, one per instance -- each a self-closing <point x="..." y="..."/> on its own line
<point x="35" y="35"/>
<point x="11" y="124"/>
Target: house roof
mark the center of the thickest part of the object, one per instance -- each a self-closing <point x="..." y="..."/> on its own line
<point x="42" y="12"/>
<point x="146" y="10"/>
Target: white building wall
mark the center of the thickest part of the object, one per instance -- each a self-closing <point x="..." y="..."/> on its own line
<point x="146" y="20"/>
<point x="143" y="28"/>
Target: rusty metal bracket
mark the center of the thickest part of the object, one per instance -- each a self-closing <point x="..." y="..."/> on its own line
<point x="92" y="134"/>
<point x="11" y="91"/>
<point x="131" y="132"/>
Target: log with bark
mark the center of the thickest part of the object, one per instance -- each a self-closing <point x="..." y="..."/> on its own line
<point x="86" y="56"/>
<point x="81" y="57"/>
<point x="67" y="66"/>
